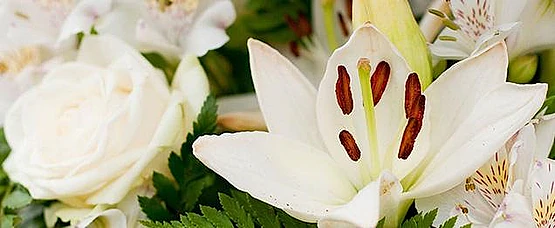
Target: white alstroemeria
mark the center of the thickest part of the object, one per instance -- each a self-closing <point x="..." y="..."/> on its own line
<point x="334" y="157"/>
<point x="527" y="25"/>
<point x="171" y="27"/>
<point x="513" y="189"/>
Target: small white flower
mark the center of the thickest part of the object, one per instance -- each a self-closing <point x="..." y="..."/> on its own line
<point x="514" y="189"/>
<point x="526" y="24"/>
<point x="171" y="27"/>
<point x="369" y="140"/>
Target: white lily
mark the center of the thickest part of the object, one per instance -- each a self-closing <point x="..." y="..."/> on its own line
<point x="171" y="27"/>
<point x="514" y="189"/>
<point x="350" y="155"/>
<point x="527" y="25"/>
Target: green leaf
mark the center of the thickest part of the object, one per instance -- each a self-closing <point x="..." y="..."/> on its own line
<point x="381" y="223"/>
<point x="469" y="225"/>
<point x="198" y="220"/>
<point x="194" y="190"/>
<point x="4" y="147"/>
<point x="549" y="104"/>
<point x="234" y="210"/>
<point x="419" y="221"/>
<point x="17" y="199"/>
<point x="165" y="189"/>
<point x="10" y="221"/>
<point x="450" y="223"/>
<point x="154" y="209"/>
<point x="177" y="168"/>
<point x="264" y="213"/>
<point x="217" y="218"/>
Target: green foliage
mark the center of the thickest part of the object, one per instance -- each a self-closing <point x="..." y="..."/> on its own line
<point x="426" y="220"/>
<point x="172" y="200"/>
<point x="238" y="210"/>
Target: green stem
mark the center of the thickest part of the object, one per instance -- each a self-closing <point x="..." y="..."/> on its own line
<point x="368" y="103"/>
<point x="329" y="24"/>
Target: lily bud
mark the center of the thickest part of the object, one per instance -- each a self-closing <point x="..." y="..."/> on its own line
<point x="394" y="19"/>
<point x="547" y="71"/>
<point x="523" y="68"/>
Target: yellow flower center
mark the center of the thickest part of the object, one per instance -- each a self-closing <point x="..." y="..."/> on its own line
<point x="15" y="61"/>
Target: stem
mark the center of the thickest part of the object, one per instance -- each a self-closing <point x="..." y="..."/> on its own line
<point x="329" y="24"/>
<point x="368" y="103"/>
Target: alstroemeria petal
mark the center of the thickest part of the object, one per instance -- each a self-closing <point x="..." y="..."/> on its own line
<point x="468" y="205"/>
<point x="452" y="44"/>
<point x="495" y="35"/>
<point x="474" y="17"/>
<point x="287" y="99"/>
<point x="473" y="111"/>
<point x="522" y="153"/>
<point x="208" y="32"/>
<point x="513" y="212"/>
<point x="83" y="16"/>
<point x="545" y="133"/>
<point x="285" y="173"/>
<point x="368" y="206"/>
<point x="537" y="30"/>
<point x="335" y="118"/>
<point x="542" y="182"/>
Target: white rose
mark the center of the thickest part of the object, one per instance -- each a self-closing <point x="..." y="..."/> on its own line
<point x="95" y="128"/>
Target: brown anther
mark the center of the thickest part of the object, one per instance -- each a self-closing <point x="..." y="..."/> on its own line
<point x="379" y="81"/>
<point x="294" y="48"/>
<point x="350" y="145"/>
<point x="417" y="109"/>
<point x="409" y="137"/>
<point x="301" y="26"/>
<point x="413" y="90"/>
<point x="343" y="24"/>
<point x="343" y="90"/>
<point x="349" y="7"/>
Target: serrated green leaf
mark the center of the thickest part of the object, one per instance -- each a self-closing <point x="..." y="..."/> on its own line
<point x="217" y="218"/>
<point x="154" y="209"/>
<point x="194" y="190"/>
<point x="205" y="124"/>
<point x="235" y="211"/>
<point x="264" y="213"/>
<point x="450" y="223"/>
<point x="177" y="168"/>
<point x="17" y="199"/>
<point x="469" y="225"/>
<point x="429" y="218"/>
<point x="199" y="221"/>
<point x="166" y="190"/>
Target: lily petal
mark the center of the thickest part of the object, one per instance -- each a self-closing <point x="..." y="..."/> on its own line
<point x="275" y="79"/>
<point x="285" y="173"/>
<point x="366" y="42"/>
<point x="367" y="207"/>
<point x="473" y="111"/>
